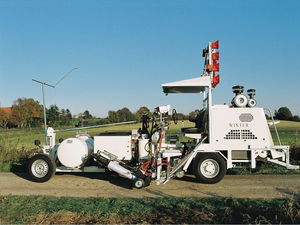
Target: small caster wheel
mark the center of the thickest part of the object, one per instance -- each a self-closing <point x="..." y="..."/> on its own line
<point x="139" y="183"/>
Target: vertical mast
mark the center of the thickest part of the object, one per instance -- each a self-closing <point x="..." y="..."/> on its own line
<point x="211" y="67"/>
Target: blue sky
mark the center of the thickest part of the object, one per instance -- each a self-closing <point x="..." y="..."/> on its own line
<point x="127" y="49"/>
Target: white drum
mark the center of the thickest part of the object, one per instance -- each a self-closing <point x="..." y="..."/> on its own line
<point x="74" y="152"/>
<point x="143" y="151"/>
<point x="251" y="103"/>
<point x="240" y="101"/>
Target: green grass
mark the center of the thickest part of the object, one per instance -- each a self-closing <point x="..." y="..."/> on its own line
<point x="67" y="210"/>
<point x="289" y="133"/>
<point x="16" y="145"/>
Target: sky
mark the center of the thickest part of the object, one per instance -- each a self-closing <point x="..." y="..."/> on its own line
<point x="126" y="49"/>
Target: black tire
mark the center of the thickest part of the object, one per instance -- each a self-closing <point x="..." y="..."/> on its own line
<point x="40" y="168"/>
<point x="215" y="172"/>
<point x="139" y="183"/>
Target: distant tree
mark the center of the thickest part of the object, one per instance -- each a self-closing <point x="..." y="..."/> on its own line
<point x="4" y="118"/>
<point x="141" y="111"/>
<point x="296" y="118"/>
<point x="87" y="115"/>
<point x="125" y="115"/>
<point x="25" y="111"/>
<point x="17" y="118"/>
<point x="112" y="116"/>
<point x="283" y="113"/>
<point x="53" y="115"/>
<point x="121" y="115"/>
<point x="68" y="114"/>
<point x="65" y="117"/>
<point x="181" y="116"/>
<point x="79" y="116"/>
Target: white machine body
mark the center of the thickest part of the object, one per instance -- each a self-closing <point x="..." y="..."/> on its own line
<point x="239" y="128"/>
<point x="119" y="146"/>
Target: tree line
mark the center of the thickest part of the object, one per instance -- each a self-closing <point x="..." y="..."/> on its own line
<point x="27" y="112"/>
<point x="284" y="113"/>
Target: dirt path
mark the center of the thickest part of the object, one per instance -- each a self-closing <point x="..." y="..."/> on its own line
<point x="91" y="185"/>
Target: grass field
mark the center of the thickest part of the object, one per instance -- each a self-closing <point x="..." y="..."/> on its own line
<point x="289" y="133"/>
<point x="216" y="210"/>
<point x="17" y="144"/>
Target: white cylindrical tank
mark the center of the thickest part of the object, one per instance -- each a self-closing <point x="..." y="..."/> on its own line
<point x="74" y="152"/>
<point x="143" y="145"/>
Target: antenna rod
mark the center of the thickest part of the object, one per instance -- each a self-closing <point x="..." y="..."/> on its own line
<point x="66" y="75"/>
<point x="44" y="104"/>
<point x="43" y="83"/>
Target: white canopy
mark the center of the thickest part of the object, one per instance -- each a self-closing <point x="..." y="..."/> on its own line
<point x="195" y="85"/>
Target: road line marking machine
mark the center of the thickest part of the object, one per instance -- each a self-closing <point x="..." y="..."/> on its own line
<point x="224" y="137"/>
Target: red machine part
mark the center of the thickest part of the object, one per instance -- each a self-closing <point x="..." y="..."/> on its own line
<point x="215" y="56"/>
<point x="215" y="44"/>
<point x="215" y="81"/>
<point x="215" y="64"/>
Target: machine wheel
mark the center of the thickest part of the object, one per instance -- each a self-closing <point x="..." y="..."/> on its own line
<point x="240" y="100"/>
<point x="139" y="183"/>
<point x="41" y="168"/>
<point x="209" y="168"/>
<point x="251" y="103"/>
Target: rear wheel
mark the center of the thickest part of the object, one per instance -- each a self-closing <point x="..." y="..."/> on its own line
<point x="209" y="168"/>
<point x="41" y="168"/>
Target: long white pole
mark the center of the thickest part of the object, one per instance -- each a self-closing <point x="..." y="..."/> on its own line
<point x="45" y="117"/>
<point x="44" y="102"/>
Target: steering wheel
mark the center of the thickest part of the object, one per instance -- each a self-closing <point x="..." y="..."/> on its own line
<point x="174" y="116"/>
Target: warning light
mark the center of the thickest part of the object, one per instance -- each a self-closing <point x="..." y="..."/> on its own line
<point x="215" y="56"/>
<point x="215" y="66"/>
<point x="215" y="45"/>
<point x="215" y="81"/>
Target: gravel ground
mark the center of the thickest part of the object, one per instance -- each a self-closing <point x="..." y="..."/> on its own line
<point x="104" y="185"/>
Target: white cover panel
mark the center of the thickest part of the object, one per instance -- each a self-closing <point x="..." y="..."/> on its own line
<point x="227" y="125"/>
<point x="117" y="145"/>
<point x="195" y="85"/>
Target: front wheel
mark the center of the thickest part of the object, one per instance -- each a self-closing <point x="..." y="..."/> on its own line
<point x="41" y="168"/>
<point x="209" y="168"/>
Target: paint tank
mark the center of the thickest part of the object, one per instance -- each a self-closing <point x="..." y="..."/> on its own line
<point x="74" y="152"/>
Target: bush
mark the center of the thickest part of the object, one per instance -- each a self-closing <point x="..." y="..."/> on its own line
<point x="12" y="158"/>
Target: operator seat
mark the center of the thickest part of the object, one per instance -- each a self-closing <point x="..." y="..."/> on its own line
<point x="195" y="132"/>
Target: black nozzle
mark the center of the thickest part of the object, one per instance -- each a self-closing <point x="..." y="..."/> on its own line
<point x="37" y="142"/>
<point x="251" y="93"/>
<point x="238" y="89"/>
